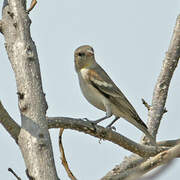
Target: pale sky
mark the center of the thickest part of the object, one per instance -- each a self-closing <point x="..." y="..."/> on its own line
<point x="130" y="39"/>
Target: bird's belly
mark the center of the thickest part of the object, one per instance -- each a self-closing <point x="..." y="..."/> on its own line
<point x="116" y="111"/>
<point x="93" y="96"/>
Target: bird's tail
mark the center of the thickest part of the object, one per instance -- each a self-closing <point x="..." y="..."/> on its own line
<point x="141" y="126"/>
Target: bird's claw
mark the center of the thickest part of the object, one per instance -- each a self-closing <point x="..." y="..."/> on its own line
<point x="93" y="123"/>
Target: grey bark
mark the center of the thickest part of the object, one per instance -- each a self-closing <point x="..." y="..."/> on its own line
<point x="34" y="140"/>
<point x="162" y="86"/>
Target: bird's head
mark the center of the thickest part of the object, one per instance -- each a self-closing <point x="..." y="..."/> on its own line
<point x="84" y="57"/>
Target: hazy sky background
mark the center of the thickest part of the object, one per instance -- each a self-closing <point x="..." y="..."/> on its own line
<point x="130" y="39"/>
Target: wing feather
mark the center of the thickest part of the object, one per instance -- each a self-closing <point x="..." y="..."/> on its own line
<point x="103" y="83"/>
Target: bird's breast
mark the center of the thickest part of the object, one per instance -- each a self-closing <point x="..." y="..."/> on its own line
<point x="92" y="95"/>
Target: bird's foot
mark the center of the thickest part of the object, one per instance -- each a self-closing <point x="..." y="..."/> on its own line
<point x="93" y="123"/>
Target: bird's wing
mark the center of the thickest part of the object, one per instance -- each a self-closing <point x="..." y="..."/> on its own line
<point x="101" y="80"/>
<point x="103" y="83"/>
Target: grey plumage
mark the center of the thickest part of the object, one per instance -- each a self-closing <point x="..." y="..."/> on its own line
<point x="101" y="91"/>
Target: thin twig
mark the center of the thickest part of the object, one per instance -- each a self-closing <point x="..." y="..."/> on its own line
<point x="63" y="157"/>
<point x="148" y="106"/>
<point x="10" y="170"/>
<point x="33" y="3"/>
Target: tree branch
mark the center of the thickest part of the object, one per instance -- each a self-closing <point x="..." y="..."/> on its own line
<point x="169" y="143"/>
<point x="159" y="97"/>
<point x="32" y="5"/>
<point x="151" y="163"/>
<point x="9" y="124"/>
<point x="63" y="157"/>
<point x="159" y="172"/>
<point x="77" y="124"/>
<point x="34" y="140"/>
<point x="103" y="133"/>
<point x="11" y="170"/>
<point x="162" y="86"/>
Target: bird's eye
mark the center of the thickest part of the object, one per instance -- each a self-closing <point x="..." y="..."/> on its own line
<point x="81" y="54"/>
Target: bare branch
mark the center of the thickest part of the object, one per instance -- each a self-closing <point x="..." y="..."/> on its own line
<point x="159" y="97"/>
<point x="146" y="104"/>
<point x="151" y="163"/>
<point x="159" y="172"/>
<point x="9" y="124"/>
<point x="34" y="139"/>
<point x="17" y="177"/>
<point x="76" y="124"/>
<point x="162" y="86"/>
<point x="63" y="157"/>
<point x="169" y="143"/>
<point x="106" y="134"/>
<point x="103" y="133"/>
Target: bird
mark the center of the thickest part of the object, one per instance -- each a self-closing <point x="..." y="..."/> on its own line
<point x="102" y="92"/>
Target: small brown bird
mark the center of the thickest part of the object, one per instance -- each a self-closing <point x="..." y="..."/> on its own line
<point x="101" y="91"/>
